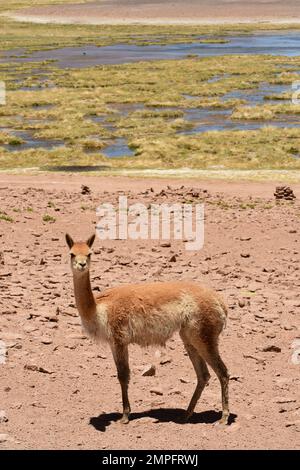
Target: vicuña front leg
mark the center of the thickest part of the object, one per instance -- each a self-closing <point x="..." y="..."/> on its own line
<point x="120" y="354"/>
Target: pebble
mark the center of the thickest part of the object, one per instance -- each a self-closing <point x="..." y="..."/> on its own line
<point x="3" y="417"/>
<point x="156" y="391"/>
<point x="165" y="244"/>
<point x="36" y="368"/>
<point x="45" y="340"/>
<point x="149" y="371"/>
<point x="183" y="380"/>
<point x="272" y="348"/>
<point x="165" y="360"/>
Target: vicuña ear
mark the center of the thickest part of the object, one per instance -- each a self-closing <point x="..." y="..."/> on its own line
<point x="69" y="241"/>
<point x="91" y="240"/>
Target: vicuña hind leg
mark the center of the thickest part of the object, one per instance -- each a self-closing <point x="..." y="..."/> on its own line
<point x="120" y="354"/>
<point x="211" y="354"/>
<point x="201" y="372"/>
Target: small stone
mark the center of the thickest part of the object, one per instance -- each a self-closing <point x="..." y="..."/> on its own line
<point x="236" y="378"/>
<point x="183" y="380"/>
<point x="245" y="255"/>
<point x="3" y="438"/>
<point x="173" y="259"/>
<point x="45" y="340"/>
<point x="156" y="391"/>
<point x="272" y="348"/>
<point x="294" y="424"/>
<point x="165" y="244"/>
<point x="149" y="371"/>
<point x="241" y="303"/>
<point x="165" y="360"/>
<point x="36" y="368"/>
<point x="3" y="417"/>
<point x="51" y="318"/>
<point x="258" y="359"/>
<point x="85" y="189"/>
<point x="281" y="400"/>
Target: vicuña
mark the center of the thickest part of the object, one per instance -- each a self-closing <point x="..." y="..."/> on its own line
<point x="149" y="314"/>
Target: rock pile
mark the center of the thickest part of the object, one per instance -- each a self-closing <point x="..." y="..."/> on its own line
<point x="85" y="189"/>
<point x="284" y="192"/>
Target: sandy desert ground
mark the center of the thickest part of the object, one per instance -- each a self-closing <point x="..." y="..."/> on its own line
<point x="159" y="11"/>
<point x="59" y="390"/>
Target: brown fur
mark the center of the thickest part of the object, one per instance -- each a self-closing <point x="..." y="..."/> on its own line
<point x="149" y="314"/>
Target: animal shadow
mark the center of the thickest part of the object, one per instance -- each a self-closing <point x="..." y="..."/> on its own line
<point x="162" y="415"/>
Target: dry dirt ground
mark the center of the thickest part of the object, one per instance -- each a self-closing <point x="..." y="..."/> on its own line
<point x="160" y="11"/>
<point x="59" y="390"/>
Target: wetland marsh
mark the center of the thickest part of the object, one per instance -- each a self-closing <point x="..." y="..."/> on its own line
<point x="150" y="97"/>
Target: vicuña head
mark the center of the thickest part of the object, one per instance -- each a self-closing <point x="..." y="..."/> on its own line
<point x="149" y="314"/>
<point x="80" y="253"/>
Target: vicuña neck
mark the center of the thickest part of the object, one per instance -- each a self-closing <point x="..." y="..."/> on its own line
<point x="85" y="301"/>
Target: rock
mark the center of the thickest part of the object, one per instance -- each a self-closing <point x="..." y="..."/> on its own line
<point x="236" y="378"/>
<point x="165" y="244"/>
<point x="241" y="303"/>
<point x="294" y="424"/>
<point x="6" y="274"/>
<point x="281" y="400"/>
<point x="122" y="260"/>
<point x="245" y="255"/>
<point x="284" y="192"/>
<point x="149" y="371"/>
<point x="287" y="326"/>
<point x="3" y="438"/>
<point x="37" y="369"/>
<point x="101" y="356"/>
<point x="52" y="318"/>
<point x="272" y="348"/>
<point x="165" y="360"/>
<point x="156" y="391"/>
<point x="258" y="359"/>
<point x="3" y="417"/>
<point x="173" y="259"/>
<point x="183" y="380"/>
<point x="85" y="189"/>
<point x="45" y="340"/>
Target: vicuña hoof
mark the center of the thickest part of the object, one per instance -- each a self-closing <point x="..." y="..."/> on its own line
<point x="187" y="416"/>
<point x="223" y="421"/>
<point x="124" y="420"/>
